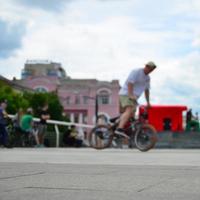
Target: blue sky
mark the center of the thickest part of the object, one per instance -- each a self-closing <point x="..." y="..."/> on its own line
<point x="108" y="38"/>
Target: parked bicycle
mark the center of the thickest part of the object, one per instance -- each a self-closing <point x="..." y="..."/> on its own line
<point x="137" y="132"/>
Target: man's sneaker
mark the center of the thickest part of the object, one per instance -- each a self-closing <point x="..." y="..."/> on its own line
<point x="120" y="132"/>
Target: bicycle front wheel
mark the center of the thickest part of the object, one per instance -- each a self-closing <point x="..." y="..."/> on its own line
<point x="145" y="137"/>
<point x="100" y="137"/>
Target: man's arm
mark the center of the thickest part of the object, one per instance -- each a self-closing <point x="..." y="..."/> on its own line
<point x="130" y="91"/>
<point x="147" y="94"/>
<point x="31" y="121"/>
<point x="45" y="116"/>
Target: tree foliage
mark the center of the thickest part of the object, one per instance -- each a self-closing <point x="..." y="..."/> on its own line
<point x="15" y="99"/>
<point x="35" y="100"/>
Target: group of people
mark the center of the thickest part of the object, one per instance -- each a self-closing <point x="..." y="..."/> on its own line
<point x="23" y="124"/>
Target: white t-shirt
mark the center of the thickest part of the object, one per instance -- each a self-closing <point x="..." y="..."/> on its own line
<point x="140" y="82"/>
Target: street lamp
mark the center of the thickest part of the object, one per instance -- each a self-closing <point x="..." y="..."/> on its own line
<point x="96" y="105"/>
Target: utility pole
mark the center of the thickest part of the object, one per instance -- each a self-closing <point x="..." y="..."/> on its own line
<point x="96" y="106"/>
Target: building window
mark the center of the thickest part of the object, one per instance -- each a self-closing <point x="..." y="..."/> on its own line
<point x="77" y="100"/>
<point x="76" y="117"/>
<point x="85" y="118"/>
<point x="68" y="100"/>
<point x="41" y="89"/>
<point x="26" y="73"/>
<point x="51" y="72"/>
<point x="103" y="97"/>
<point x="85" y="100"/>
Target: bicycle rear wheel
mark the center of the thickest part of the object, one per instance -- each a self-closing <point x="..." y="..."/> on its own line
<point x="145" y="138"/>
<point x="100" y="137"/>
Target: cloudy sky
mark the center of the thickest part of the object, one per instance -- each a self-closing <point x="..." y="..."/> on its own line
<point x="106" y="39"/>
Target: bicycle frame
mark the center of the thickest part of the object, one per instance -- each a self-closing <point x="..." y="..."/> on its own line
<point x="132" y="125"/>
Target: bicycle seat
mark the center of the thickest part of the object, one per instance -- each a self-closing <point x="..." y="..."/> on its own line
<point x="112" y="120"/>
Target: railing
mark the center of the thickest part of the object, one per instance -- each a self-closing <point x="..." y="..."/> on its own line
<point x="61" y="123"/>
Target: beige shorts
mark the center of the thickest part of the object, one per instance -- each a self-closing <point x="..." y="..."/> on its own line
<point x="126" y="101"/>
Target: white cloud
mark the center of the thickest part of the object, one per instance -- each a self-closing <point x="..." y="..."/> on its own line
<point x="196" y="40"/>
<point x="187" y="7"/>
<point x="177" y="82"/>
<point x="105" y="40"/>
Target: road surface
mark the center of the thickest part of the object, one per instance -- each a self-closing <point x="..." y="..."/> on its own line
<point x="88" y="174"/>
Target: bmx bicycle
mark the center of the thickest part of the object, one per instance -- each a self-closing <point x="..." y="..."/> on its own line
<point x="137" y="131"/>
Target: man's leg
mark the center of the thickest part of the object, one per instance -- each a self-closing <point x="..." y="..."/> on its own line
<point x="125" y="116"/>
<point x="129" y="108"/>
<point x="35" y="134"/>
<point x="123" y="120"/>
<point x="1" y="135"/>
<point x="42" y="133"/>
<point x="5" y="136"/>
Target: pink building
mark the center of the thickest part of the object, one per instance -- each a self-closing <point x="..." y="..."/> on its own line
<point x="76" y="95"/>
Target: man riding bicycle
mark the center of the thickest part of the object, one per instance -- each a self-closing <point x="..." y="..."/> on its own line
<point x="137" y="82"/>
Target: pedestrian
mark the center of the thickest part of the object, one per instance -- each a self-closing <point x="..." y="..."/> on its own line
<point x="137" y="82"/>
<point x="17" y="130"/>
<point x="26" y="125"/>
<point x="3" y="123"/>
<point x="189" y="116"/>
<point x="42" y="126"/>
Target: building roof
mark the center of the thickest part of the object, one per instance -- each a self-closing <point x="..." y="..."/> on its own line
<point x="15" y="85"/>
<point x="89" y="81"/>
<point x="38" y="61"/>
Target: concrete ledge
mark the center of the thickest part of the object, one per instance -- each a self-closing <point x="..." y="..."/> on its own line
<point x="170" y="139"/>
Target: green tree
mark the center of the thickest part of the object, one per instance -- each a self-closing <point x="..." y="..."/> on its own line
<point x="35" y="100"/>
<point x="15" y="99"/>
<point x="38" y="100"/>
<point x="55" y="108"/>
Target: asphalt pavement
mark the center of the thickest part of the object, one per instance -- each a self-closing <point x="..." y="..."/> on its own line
<point x="88" y="174"/>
